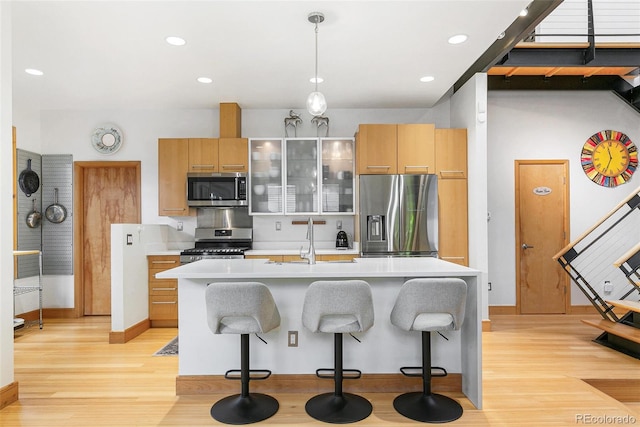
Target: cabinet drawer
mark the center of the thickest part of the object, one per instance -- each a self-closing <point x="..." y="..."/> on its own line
<point x="163" y="307"/>
<point x="163" y="262"/>
<point x="163" y="287"/>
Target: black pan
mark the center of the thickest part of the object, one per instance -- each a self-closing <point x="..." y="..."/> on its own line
<point x="29" y="180"/>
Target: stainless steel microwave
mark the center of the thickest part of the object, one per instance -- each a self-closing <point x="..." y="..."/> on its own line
<point x="216" y="189"/>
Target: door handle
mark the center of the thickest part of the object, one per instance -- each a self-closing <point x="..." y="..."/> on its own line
<point x="525" y="246"/>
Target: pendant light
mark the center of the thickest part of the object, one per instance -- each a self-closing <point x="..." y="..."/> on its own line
<point x="316" y="103"/>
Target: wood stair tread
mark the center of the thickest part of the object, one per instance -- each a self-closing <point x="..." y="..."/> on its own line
<point x="619" y="329"/>
<point x="627" y="305"/>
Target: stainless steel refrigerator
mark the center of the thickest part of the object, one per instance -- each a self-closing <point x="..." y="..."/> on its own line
<point x="398" y="215"/>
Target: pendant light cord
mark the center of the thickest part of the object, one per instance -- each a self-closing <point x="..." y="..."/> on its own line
<point x="316" y="31"/>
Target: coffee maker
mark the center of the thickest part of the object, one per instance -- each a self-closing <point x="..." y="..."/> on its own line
<point x="342" y="240"/>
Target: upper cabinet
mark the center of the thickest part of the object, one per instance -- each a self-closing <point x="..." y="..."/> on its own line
<point x="396" y="148"/>
<point x="451" y="153"/>
<point x="301" y="176"/>
<point x="218" y="155"/>
<point x="233" y="155"/>
<point x="179" y="156"/>
<point x="265" y="176"/>
<point x="173" y="164"/>
<point x="203" y="154"/>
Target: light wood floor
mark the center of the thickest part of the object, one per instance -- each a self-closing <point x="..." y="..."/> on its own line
<point x="534" y="368"/>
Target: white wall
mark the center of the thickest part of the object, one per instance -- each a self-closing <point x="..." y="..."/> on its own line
<point x="6" y="200"/>
<point x="547" y="125"/>
<point x="468" y="110"/>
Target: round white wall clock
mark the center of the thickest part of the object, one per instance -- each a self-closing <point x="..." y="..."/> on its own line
<point x="106" y="140"/>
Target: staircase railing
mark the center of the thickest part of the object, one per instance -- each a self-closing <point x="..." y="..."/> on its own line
<point x="593" y="260"/>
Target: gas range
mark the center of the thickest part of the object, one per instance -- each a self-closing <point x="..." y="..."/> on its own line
<point x="218" y="243"/>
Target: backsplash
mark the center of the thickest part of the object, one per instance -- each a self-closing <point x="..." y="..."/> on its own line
<point x="265" y="235"/>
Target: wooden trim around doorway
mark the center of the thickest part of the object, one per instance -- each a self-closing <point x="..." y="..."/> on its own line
<point x="78" y="223"/>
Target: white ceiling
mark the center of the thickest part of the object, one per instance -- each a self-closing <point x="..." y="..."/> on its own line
<point x="260" y="54"/>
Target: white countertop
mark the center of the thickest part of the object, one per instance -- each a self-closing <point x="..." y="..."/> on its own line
<point x="261" y="252"/>
<point x="361" y="268"/>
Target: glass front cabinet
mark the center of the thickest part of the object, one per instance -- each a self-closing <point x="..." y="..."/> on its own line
<point x="297" y="176"/>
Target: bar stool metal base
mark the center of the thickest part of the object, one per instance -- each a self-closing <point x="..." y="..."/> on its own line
<point x="238" y="409"/>
<point x="428" y="408"/>
<point x="334" y="409"/>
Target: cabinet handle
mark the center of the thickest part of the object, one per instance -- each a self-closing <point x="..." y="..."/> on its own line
<point x="233" y="166"/>
<point x="378" y="167"/>
<point x="203" y="166"/>
<point x="417" y="167"/>
<point x="458" y="172"/>
<point x="174" y="209"/>
<point x="163" y="262"/>
<point x="163" y="289"/>
<point x="164" y="302"/>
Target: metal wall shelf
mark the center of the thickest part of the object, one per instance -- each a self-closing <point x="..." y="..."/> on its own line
<point x="19" y="290"/>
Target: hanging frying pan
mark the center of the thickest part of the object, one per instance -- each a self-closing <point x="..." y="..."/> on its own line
<point x="34" y="217"/>
<point x="29" y="180"/>
<point x="55" y="212"/>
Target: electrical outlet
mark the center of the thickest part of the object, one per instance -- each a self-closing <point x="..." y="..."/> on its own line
<point x="129" y="239"/>
<point x="278" y="225"/>
<point x="180" y="226"/>
<point x="608" y="287"/>
<point x="293" y="339"/>
<point x="339" y="225"/>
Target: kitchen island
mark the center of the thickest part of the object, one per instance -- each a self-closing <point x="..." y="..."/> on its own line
<point x="383" y="348"/>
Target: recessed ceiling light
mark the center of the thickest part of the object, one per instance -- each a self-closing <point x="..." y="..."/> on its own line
<point x="524" y="12"/>
<point x="205" y="80"/>
<point x="501" y="35"/>
<point x="457" y="39"/>
<point x="427" y="79"/>
<point x="33" y="72"/>
<point x="313" y="79"/>
<point x="175" y="41"/>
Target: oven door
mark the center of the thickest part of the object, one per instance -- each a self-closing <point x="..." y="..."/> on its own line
<point x="216" y="190"/>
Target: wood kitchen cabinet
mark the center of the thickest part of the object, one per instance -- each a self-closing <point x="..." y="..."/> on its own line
<point x="233" y="155"/>
<point x="163" y="293"/>
<point x="395" y="148"/>
<point x="173" y="164"/>
<point x="451" y="167"/>
<point x="203" y="155"/>
<point x="218" y="155"/>
<point x="179" y="156"/>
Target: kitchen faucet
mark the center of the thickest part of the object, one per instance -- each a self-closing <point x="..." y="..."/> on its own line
<point x="310" y="255"/>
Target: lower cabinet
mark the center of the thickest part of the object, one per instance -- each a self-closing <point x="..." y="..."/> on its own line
<point x="163" y="293"/>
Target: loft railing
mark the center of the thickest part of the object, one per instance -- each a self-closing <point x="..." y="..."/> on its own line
<point x="597" y="259"/>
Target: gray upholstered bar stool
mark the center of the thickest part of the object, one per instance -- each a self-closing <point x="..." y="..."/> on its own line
<point x="242" y="308"/>
<point x="338" y="307"/>
<point x="429" y="305"/>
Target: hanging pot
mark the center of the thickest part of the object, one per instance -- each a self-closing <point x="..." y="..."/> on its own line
<point x="29" y="180"/>
<point x="34" y="217"/>
<point x="55" y="212"/>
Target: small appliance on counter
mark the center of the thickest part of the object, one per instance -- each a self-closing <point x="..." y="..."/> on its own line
<point x="342" y="240"/>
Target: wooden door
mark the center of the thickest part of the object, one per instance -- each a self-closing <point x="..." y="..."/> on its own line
<point x="173" y="164"/>
<point x="416" y="148"/>
<point x="376" y="149"/>
<point x="542" y="229"/>
<point x="203" y="155"/>
<point x="110" y="195"/>
<point x="233" y="155"/>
